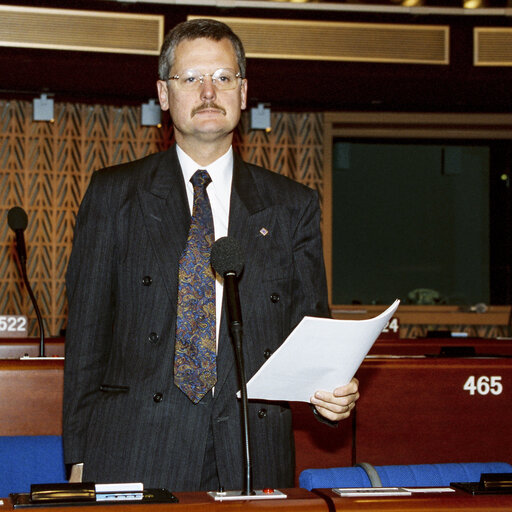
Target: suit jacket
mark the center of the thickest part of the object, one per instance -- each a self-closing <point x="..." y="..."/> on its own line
<point x="123" y="416"/>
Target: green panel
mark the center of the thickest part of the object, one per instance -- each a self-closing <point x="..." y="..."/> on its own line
<point x="409" y="216"/>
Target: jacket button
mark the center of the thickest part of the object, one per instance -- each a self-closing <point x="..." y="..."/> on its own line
<point x="158" y="397"/>
<point x="275" y="297"/>
<point x="146" y="280"/>
<point x="262" y="413"/>
<point x="153" y="337"/>
<point x="267" y="353"/>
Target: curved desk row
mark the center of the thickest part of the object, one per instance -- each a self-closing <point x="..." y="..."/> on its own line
<point x="322" y="500"/>
<point x="412" y="410"/>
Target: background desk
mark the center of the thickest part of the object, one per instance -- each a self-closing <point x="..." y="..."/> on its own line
<point x="411" y="410"/>
<point x="31" y="397"/>
<point x="15" y="348"/>
<point x="414" y="411"/>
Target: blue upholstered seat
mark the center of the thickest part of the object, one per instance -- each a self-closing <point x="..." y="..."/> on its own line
<point x="26" y="460"/>
<point x="419" y="475"/>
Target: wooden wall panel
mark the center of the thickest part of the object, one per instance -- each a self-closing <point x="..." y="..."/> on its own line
<point x="45" y="168"/>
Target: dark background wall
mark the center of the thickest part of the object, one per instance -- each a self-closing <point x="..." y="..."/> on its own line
<point x="287" y="84"/>
<point x="46" y="167"/>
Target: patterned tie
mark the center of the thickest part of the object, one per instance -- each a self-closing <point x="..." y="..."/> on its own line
<point x="195" y="371"/>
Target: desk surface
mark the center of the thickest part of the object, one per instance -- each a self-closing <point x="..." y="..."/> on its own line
<point x="323" y="500"/>
<point x="14" y="348"/>
<point x="298" y="499"/>
<point x="457" y="500"/>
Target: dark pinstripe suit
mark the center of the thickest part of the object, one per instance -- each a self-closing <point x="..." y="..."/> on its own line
<point x="123" y="416"/>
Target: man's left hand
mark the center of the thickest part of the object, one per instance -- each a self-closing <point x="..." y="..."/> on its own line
<point x="337" y="405"/>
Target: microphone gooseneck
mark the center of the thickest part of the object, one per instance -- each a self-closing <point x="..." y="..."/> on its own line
<point x="228" y="261"/>
<point x="18" y="221"/>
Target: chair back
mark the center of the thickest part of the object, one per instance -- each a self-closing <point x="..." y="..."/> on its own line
<point x="414" y="475"/>
<point x="26" y="460"/>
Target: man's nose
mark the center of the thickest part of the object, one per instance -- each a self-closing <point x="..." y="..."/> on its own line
<point x="208" y="90"/>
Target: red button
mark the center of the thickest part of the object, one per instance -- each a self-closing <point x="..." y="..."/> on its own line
<point x="268" y="490"/>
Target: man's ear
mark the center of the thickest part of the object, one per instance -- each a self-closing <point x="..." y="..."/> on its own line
<point x="163" y="94"/>
<point x="243" y="94"/>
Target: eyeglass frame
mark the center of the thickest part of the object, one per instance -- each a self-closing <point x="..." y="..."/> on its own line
<point x="202" y="75"/>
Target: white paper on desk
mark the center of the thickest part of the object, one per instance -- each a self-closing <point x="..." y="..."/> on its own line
<point x="319" y="354"/>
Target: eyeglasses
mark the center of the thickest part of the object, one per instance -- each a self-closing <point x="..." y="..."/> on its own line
<point x="222" y="79"/>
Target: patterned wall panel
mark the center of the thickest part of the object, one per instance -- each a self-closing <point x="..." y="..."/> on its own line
<point x="46" y="167"/>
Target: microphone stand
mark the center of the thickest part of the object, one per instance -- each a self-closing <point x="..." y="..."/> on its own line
<point x="234" y="315"/>
<point x="34" y="303"/>
<point x="17" y="220"/>
<point x="236" y="330"/>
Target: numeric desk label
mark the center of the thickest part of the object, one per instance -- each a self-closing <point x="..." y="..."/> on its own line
<point x="13" y="326"/>
<point x="484" y="385"/>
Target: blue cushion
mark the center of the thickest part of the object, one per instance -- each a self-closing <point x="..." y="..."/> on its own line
<point x="438" y="475"/>
<point x="26" y="460"/>
<point x="333" y="477"/>
<point x="415" y="475"/>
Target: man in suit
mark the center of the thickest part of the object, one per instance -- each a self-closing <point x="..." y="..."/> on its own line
<point x="125" y="419"/>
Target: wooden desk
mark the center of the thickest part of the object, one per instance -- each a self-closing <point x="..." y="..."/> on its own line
<point x="433" y="346"/>
<point x="31" y="397"/>
<point x="417" y="320"/>
<point x="320" y="500"/>
<point x="318" y="445"/>
<point x="411" y="411"/>
<point x="298" y="499"/>
<point x="17" y="347"/>
<point x="14" y="348"/>
<point x="431" y="502"/>
<point x="416" y="411"/>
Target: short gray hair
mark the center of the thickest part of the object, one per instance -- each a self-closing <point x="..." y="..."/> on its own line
<point x="196" y="29"/>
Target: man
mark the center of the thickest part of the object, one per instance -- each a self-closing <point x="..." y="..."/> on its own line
<point x="127" y="414"/>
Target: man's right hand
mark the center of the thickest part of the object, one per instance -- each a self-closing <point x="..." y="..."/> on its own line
<point x="76" y="473"/>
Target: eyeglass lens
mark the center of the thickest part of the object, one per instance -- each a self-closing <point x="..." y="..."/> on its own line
<point x="223" y="79"/>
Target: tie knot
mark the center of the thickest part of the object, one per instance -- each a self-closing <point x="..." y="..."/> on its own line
<point x="201" y="178"/>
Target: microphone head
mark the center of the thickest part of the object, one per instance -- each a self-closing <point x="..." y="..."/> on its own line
<point x="227" y="256"/>
<point x="17" y="218"/>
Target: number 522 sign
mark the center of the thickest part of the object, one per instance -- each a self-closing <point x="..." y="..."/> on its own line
<point x="13" y="326"/>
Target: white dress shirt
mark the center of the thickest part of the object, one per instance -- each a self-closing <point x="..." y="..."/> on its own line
<point x="219" y="193"/>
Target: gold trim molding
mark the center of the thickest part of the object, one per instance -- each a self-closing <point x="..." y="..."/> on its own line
<point x="340" y="41"/>
<point x="492" y="46"/>
<point x="80" y="30"/>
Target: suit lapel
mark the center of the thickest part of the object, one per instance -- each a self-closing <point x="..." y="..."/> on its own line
<point x="245" y="202"/>
<point x="164" y="205"/>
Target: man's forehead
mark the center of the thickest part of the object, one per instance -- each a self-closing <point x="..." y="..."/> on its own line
<point x="204" y="44"/>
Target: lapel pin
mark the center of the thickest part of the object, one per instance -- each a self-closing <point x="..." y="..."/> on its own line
<point x="264" y="231"/>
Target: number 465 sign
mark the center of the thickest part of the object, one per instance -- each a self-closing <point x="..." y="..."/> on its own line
<point x="484" y="385"/>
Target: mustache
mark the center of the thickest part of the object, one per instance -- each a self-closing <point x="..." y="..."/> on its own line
<point x="206" y="105"/>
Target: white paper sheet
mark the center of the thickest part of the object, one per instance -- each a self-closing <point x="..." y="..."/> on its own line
<point x="319" y="354"/>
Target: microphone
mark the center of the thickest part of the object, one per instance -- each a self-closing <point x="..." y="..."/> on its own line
<point x="18" y="221"/>
<point x="228" y="261"/>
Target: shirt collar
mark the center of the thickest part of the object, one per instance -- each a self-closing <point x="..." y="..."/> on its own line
<point x="220" y="171"/>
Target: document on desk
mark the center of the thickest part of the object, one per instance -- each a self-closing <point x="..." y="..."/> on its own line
<point x="319" y="354"/>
